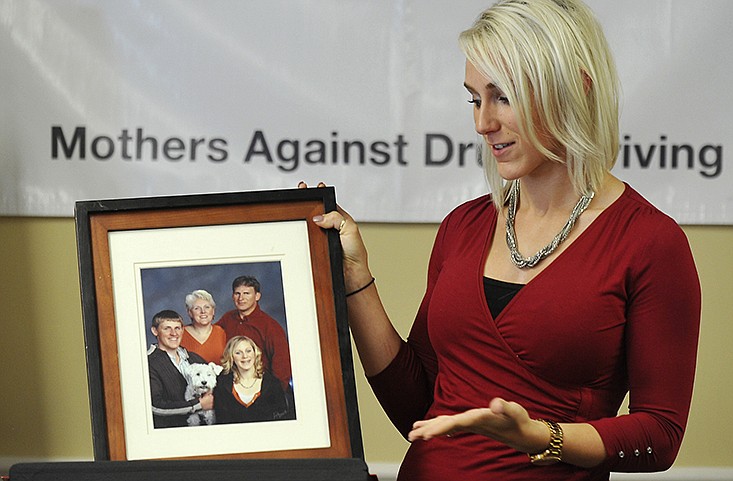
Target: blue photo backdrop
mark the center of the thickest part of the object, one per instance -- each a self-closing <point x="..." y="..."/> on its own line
<point x="167" y="287"/>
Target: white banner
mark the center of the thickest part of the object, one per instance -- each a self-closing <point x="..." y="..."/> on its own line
<point x="107" y="99"/>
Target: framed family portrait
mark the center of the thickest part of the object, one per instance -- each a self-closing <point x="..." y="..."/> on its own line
<point x="143" y="264"/>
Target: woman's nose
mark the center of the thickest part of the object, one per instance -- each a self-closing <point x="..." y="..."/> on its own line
<point x="485" y="119"/>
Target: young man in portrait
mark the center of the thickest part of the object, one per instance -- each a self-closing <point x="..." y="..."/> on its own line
<point x="166" y="361"/>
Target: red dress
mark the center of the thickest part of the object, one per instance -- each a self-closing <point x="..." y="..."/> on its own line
<point x="617" y="310"/>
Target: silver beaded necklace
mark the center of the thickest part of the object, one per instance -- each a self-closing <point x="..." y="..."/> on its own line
<point x="511" y="236"/>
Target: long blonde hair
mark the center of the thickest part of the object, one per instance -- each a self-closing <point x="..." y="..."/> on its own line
<point x="551" y="59"/>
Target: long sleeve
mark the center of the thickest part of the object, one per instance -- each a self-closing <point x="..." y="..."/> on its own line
<point x="663" y="318"/>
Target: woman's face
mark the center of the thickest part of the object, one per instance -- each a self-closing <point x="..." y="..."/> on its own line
<point x="202" y="312"/>
<point x="496" y="121"/>
<point x="244" y="356"/>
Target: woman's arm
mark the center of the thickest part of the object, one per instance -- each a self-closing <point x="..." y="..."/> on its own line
<point x="377" y="341"/>
<point x="663" y="323"/>
<point x="400" y="373"/>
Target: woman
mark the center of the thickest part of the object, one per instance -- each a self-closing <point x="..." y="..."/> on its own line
<point x="548" y="301"/>
<point x="244" y="392"/>
<point x="202" y="336"/>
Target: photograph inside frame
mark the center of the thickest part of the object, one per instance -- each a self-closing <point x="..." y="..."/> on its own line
<point x="250" y="308"/>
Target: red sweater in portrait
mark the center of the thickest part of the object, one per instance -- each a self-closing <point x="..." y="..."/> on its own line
<point x="211" y="349"/>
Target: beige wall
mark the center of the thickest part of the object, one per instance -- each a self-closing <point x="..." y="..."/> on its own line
<point x="44" y="411"/>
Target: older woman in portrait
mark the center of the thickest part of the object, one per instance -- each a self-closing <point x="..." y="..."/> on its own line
<point x="202" y="336"/>
<point x="245" y="392"/>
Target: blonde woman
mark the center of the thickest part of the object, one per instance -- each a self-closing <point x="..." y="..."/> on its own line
<point x="245" y="392"/>
<point x="548" y="300"/>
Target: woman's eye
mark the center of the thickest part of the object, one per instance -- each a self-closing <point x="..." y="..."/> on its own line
<point x="476" y="102"/>
<point x="501" y="98"/>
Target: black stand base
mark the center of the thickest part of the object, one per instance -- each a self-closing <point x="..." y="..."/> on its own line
<point x="206" y="470"/>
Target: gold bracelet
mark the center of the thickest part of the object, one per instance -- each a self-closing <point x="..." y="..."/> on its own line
<point x="553" y="453"/>
<point x="361" y="288"/>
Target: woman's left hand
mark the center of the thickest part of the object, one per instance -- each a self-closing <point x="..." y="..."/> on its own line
<point x="506" y="422"/>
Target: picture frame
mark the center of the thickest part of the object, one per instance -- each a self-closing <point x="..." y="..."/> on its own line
<point x="137" y="255"/>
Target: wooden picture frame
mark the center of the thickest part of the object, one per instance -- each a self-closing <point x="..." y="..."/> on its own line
<point x="120" y="241"/>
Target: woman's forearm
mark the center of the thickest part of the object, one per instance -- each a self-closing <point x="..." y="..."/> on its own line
<point x="377" y="342"/>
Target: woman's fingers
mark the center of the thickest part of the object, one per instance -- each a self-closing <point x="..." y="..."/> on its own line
<point x="430" y="428"/>
<point x="499" y="421"/>
<point x="354" y="251"/>
<point x="303" y="185"/>
<point x="331" y="220"/>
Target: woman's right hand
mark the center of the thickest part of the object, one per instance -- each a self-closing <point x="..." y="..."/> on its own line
<point x="355" y="258"/>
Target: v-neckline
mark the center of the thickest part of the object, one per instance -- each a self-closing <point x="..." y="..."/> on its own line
<point x="493" y="230"/>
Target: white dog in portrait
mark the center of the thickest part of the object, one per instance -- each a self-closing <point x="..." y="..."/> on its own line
<point x="201" y="378"/>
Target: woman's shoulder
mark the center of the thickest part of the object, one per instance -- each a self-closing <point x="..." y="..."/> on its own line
<point x="471" y="216"/>
<point x="477" y="209"/>
<point x="635" y="210"/>
<point x="644" y="225"/>
<point x="269" y="380"/>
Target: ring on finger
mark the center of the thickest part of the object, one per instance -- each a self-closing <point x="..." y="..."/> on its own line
<point x="341" y="225"/>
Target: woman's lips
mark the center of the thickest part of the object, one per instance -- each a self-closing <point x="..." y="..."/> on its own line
<point x="501" y="148"/>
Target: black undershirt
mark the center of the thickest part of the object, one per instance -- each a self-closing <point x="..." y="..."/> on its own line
<point x="499" y="294"/>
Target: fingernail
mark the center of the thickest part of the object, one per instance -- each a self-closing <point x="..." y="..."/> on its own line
<point x="318" y="218"/>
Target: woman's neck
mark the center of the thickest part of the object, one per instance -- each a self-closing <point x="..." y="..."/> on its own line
<point x="247" y="381"/>
<point x="546" y="196"/>
<point x="246" y="376"/>
<point x="200" y="332"/>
